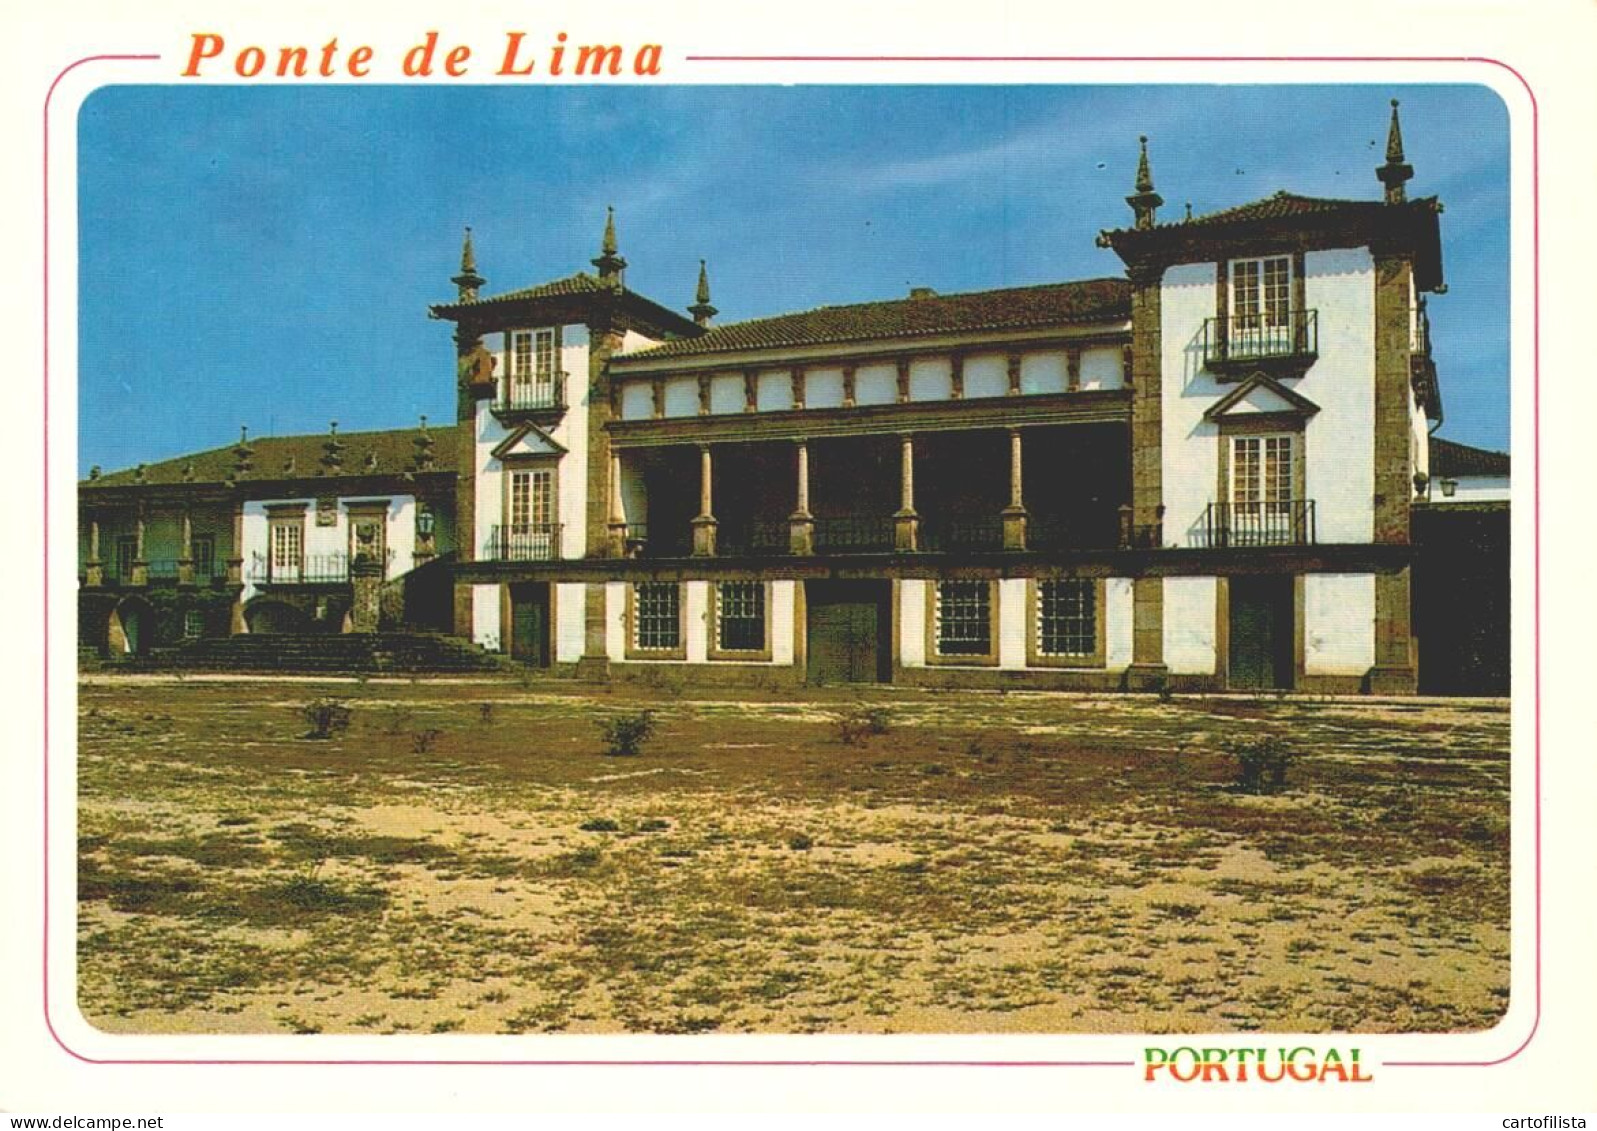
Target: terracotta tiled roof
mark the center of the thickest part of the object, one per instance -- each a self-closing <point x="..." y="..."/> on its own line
<point x="581" y="283"/>
<point x="1288" y="206"/>
<point x="396" y="453"/>
<point x="1449" y="459"/>
<point x="1053" y="304"/>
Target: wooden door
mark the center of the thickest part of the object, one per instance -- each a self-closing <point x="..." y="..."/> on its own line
<point x="529" y="624"/>
<point x="848" y="627"/>
<point x="1260" y="655"/>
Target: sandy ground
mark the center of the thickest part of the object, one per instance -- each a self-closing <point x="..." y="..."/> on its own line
<point x="464" y="858"/>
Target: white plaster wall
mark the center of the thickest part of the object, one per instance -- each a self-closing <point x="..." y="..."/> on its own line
<point x="615" y="620"/>
<point x="1189" y="614"/>
<point x="1012" y="611"/>
<point x="1338" y="623"/>
<point x="782" y="622"/>
<point x="773" y="391"/>
<point x="823" y="388"/>
<point x="876" y="384"/>
<point x="912" y="623"/>
<point x="570" y="628"/>
<point x="1473" y="489"/>
<point x="1190" y="445"/>
<point x="1340" y="474"/>
<point x="1044" y="372"/>
<point x="637" y="400"/>
<point x="696" y="599"/>
<point x="682" y="396"/>
<point x="570" y="432"/>
<point x="986" y="375"/>
<point x="321" y="541"/>
<point x="931" y="379"/>
<point x="485" y="627"/>
<point x="726" y="393"/>
<point x="490" y="477"/>
<point x="1117" y="622"/>
<point x="1100" y="368"/>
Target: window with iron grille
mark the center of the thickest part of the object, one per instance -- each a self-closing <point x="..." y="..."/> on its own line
<point x="740" y="620"/>
<point x="1067" y="617"/>
<point x="657" y="616"/>
<point x="964" y="618"/>
<point x="193" y="624"/>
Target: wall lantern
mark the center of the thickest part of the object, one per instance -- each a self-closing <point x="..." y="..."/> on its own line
<point x="425" y="522"/>
<point x="1449" y="486"/>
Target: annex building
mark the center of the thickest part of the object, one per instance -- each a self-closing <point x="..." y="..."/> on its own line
<point x="1202" y="473"/>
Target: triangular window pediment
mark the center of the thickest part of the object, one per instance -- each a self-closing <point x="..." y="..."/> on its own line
<point x="528" y="442"/>
<point x="1261" y="395"/>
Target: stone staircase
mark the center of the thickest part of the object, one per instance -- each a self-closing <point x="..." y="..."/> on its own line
<point x="349" y="653"/>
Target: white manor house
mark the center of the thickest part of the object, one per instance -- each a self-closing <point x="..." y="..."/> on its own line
<point x="1204" y="473"/>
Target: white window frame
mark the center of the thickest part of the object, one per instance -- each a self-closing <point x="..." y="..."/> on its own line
<point x="533" y="369"/>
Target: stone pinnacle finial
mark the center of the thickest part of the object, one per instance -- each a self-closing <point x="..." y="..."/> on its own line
<point x="1394" y="137"/>
<point x="468" y="282"/>
<point x="1145" y="201"/>
<point x="701" y="309"/>
<point x="609" y="263"/>
<point x="1144" y="175"/>
<point x="1396" y="171"/>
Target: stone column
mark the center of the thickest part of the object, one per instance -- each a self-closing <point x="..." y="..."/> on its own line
<point x="704" y="525"/>
<point x="906" y="523"/>
<point x="141" y="565"/>
<point x="801" y="524"/>
<point x="1395" y="671"/>
<point x="366" y="580"/>
<point x="94" y="568"/>
<point x="616" y="527"/>
<point x="235" y="560"/>
<point x="1014" y="515"/>
<point x="1142" y="525"/>
<point x="185" y="561"/>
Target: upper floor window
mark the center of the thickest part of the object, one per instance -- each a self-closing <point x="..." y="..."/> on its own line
<point x="1261" y="293"/>
<point x="532" y="368"/>
<point x="288" y="546"/>
<point x="202" y="547"/>
<point x="531" y="503"/>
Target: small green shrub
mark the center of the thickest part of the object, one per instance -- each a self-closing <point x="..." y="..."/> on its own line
<point x="625" y="734"/>
<point x="862" y="722"/>
<point x="653" y="825"/>
<point x="422" y="741"/>
<point x="801" y="842"/>
<point x="1262" y="763"/>
<point x="327" y="717"/>
<point x="599" y="825"/>
<point x="485" y="713"/>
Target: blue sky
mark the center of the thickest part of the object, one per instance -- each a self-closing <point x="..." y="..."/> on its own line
<point x="266" y="254"/>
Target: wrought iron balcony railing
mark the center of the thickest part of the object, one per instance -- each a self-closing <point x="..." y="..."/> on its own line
<point x="536" y="395"/>
<point x="853" y="534"/>
<point x="1259" y="524"/>
<point x="1247" y="339"/>
<point x="943" y="535"/>
<point x="307" y="569"/>
<point x="538" y="542"/>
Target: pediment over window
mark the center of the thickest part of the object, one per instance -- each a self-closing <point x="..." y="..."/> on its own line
<point x="1260" y="395"/>
<point x="528" y="441"/>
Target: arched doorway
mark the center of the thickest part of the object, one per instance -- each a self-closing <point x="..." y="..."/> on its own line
<point x="131" y="627"/>
<point x="275" y="618"/>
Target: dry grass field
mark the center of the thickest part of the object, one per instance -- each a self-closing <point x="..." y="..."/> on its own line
<point x="464" y="858"/>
